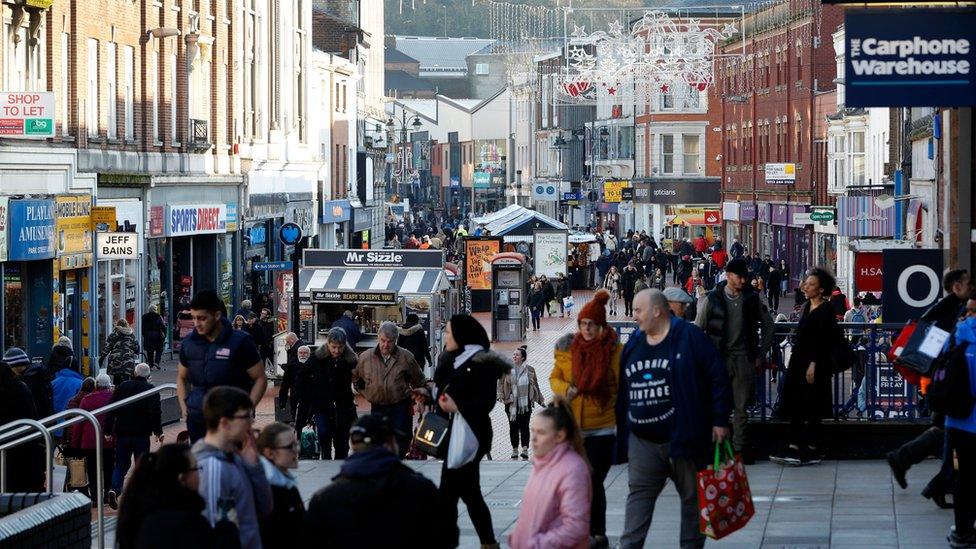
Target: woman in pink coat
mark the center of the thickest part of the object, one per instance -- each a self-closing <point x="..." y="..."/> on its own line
<point x="83" y="436"/>
<point x="555" y="510"/>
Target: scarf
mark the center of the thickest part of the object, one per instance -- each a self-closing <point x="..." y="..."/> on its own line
<point x="591" y="363"/>
<point x="520" y="392"/>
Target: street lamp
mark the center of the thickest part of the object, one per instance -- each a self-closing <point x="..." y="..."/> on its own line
<point x="391" y="127"/>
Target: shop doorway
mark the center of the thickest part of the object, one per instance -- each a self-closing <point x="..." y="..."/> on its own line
<point x="70" y="322"/>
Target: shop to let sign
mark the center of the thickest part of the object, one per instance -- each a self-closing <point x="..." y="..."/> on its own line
<point x="354" y="296"/>
<point x="910" y="58"/>
<point x="780" y="173"/>
<point x="27" y="114"/>
<point x="613" y="190"/>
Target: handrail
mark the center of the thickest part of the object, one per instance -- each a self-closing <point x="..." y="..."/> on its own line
<point x="11" y="430"/>
<point x="47" y="454"/>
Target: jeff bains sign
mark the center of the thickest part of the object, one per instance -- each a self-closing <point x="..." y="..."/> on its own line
<point x="910" y="58"/>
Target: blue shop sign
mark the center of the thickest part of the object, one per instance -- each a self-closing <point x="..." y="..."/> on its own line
<point x="31" y="232"/>
<point x="257" y="235"/>
<point x="336" y="211"/>
<point x="910" y="58"/>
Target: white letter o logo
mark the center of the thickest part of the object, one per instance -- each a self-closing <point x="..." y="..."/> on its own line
<point x="933" y="286"/>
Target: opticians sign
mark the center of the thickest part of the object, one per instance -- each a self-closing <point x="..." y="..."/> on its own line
<point x="910" y="58"/>
<point x="201" y="219"/>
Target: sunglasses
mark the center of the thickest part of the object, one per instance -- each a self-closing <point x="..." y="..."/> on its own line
<point x="294" y="447"/>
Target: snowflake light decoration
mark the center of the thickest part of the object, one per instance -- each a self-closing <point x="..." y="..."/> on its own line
<point x="659" y="52"/>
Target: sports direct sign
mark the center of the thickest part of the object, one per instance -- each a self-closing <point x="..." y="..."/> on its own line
<point x="27" y="114"/>
<point x="910" y="58"/>
<point x="205" y="219"/>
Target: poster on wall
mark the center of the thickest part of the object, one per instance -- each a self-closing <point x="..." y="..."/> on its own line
<point x="477" y="262"/>
<point x="551" y="253"/>
<point x="73" y="231"/>
<point x="3" y="228"/>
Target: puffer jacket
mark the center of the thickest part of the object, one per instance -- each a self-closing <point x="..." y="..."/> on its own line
<point x="589" y="412"/>
<point x="122" y="352"/>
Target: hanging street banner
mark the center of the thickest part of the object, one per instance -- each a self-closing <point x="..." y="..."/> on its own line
<point x="913" y="284"/>
<point x="910" y="58"/>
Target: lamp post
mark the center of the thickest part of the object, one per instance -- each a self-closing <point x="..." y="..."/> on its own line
<point x="391" y="127"/>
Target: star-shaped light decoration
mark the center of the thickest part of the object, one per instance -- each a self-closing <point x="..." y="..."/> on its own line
<point x="579" y="31"/>
<point x="612" y="91"/>
<point x="616" y="29"/>
<point x="729" y="29"/>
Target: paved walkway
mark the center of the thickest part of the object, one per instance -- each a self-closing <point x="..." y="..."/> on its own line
<point x="849" y="504"/>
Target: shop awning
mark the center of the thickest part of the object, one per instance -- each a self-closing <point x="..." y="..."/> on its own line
<point x="403" y="281"/>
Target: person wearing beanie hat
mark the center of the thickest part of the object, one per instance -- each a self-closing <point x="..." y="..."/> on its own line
<point x="741" y="327"/>
<point x="587" y="372"/>
<point x="35" y="376"/>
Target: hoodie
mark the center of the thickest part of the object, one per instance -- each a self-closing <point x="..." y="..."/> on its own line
<point x="233" y="491"/>
<point x="966" y="334"/>
<point x="374" y="488"/>
<point x="65" y="385"/>
<point x="283" y="527"/>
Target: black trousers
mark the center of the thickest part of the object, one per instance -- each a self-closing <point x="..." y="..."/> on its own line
<point x="774" y="298"/>
<point x="154" y="356"/>
<point x="518" y="428"/>
<point x="628" y="304"/>
<point x="805" y="418"/>
<point x="465" y="484"/>
<point x="963" y="443"/>
<point x="599" y="452"/>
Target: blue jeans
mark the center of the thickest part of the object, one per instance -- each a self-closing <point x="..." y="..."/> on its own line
<point x="125" y="449"/>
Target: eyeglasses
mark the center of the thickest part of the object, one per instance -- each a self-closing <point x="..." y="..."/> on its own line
<point x="246" y="415"/>
<point x="191" y="469"/>
<point x="294" y="447"/>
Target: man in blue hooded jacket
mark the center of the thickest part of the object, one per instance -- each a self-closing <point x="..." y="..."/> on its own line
<point x="674" y="401"/>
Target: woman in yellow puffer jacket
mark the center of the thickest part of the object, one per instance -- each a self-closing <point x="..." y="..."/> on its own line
<point x="587" y="373"/>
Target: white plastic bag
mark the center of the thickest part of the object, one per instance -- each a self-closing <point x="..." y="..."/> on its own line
<point x="463" y="446"/>
<point x="568" y="303"/>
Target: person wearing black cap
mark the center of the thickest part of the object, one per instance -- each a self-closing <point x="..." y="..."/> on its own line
<point x="35" y="376"/>
<point x="466" y="378"/>
<point x="733" y="315"/>
<point x="373" y="501"/>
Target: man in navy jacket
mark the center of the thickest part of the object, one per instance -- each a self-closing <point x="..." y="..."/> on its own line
<point x="674" y="403"/>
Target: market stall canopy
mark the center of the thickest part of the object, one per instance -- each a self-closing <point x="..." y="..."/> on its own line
<point x="516" y="223"/>
<point x="581" y="238"/>
<point x="401" y="280"/>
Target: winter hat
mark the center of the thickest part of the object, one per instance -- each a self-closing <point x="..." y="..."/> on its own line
<point x="466" y="330"/>
<point x="596" y="309"/>
<point x="738" y="266"/>
<point x="64" y="341"/>
<point x="15" y="357"/>
<point x="677" y="295"/>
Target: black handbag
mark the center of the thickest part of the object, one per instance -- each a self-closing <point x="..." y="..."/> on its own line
<point x="431" y="433"/>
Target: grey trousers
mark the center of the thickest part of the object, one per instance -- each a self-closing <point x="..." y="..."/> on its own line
<point x="742" y="372"/>
<point x="648" y="472"/>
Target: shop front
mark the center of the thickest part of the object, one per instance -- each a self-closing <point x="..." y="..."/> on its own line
<point x="73" y="272"/>
<point x="764" y="241"/>
<point x="790" y="242"/>
<point x="118" y="253"/>
<point x="692" y="222"/>
<point x="489" y="174"/>
<point x="359" y="227"/>
<point x="189" y="249"/>
<point x="654" y="195"/>
<point x="25" y="272"/>
<point x="335" y="215"/>
<point x="378" y="286"/>
<point x="748" y="213"/>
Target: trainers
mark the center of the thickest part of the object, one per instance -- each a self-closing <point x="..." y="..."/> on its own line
<point x="515" y="453"/>
<point x="525" y="453"/>
<point x="790" y="457"/>
<point x="961" y="542"/>
<point x="897" y="470"/>
<point x="113" y="500"/>
<point x="810" y="456"/>
<point x="599" y="542"/>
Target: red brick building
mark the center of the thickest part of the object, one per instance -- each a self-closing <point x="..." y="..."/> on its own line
<point x="768" y="108"/>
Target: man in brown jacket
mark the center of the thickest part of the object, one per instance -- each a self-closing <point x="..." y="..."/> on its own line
<point x="390" y="377"/>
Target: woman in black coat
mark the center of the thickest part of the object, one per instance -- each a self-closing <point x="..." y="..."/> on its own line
<point x="279" y="446"/>
<point x="27" y="460"/>
<point x="806" y="390"/>
<point x="162" y="509"/>
<point x="466" y="378"/>
<point x="153" y="336"/>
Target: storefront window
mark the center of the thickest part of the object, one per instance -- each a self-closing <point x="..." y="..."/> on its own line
<point x="13" y="307"/>
<point x="157" y="279"/>
<point x="117" y="285"/>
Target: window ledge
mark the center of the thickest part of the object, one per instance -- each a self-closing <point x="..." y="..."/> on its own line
<point x="113" y="141"/>
<point x="95" y="139"/>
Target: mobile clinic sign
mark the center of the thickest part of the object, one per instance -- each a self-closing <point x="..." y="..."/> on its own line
<point x="910" y="58"/>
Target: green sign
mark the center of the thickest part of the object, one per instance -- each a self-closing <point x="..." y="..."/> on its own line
<point x="482" y="180"/>
<point x="822" y="216"/>
<point x="39" y="126"/>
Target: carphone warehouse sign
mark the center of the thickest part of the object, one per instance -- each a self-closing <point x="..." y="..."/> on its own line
<point x="910" y="58"/>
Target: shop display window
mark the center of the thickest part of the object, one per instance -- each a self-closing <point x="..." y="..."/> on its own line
<point x="13" y="306"/>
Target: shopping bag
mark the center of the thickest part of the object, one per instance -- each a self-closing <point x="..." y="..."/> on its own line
<point x="77" y="473"/>
<point x="724" y="498"/>
<point x="922" y="348"/>
<point x="309" y="443"/>
<point x="568" y="303"/>
<point x="463" y="445"/>
<point x="430" y="434"/>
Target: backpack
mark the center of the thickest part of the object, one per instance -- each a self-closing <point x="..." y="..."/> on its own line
<point x="950" y="392"/>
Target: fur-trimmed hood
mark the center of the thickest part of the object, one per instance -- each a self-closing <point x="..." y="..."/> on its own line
<point x="563" y="343"/>
<point x="348" y="355"/>
<point x="409" y="331"/>
<point x="123" y="330"/>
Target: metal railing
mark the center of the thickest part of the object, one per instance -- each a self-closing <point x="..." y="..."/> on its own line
<point x="871" y="391"/>
<point x="60" y="420"/>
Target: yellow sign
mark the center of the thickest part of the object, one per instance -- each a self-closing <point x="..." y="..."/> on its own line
<point x="612" y="190"/>
<point x="72" y="227"/>
<point x="103" y="219"/>
<point x="478" y="254"/>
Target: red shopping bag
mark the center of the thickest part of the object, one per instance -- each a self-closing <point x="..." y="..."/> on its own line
<point x="724" y="498"/>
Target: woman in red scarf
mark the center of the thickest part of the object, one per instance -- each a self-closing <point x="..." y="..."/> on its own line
<point x="587" y="373"/>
